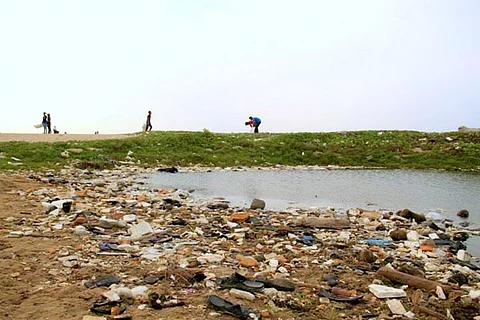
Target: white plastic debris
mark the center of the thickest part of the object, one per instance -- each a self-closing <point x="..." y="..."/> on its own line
<point x="129" y="218"/>
<point x="440" y="293"/>
<point x="140" y="292"/>
<point x="435" y="216"/>
<point x="383" y="292"/>
<point x="396" y="307"/>
<point x="463" y="255"/>
<point x="242" y="294"/>
<point x="140" y="229"/>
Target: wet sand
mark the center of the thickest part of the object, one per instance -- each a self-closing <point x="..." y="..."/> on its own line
<point x="35" y="137"/>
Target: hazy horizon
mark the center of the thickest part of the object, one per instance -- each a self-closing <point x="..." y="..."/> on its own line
<point x="303" y="66"/>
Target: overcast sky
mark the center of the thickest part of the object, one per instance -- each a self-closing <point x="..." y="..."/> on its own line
<point x="298" y="65"/>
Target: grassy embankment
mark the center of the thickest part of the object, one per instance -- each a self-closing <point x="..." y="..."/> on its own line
<point x="389" y="149"/>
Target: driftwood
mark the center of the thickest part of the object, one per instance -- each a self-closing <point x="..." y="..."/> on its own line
<point x="324" y="223"/>
<point x="412" y="281"/>
<point x="429" y="312"/>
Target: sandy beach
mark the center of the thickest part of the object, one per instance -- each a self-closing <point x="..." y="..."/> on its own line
<point x="35" y="137"/>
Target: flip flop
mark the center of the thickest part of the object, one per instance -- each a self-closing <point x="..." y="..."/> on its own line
<point x="238" y="281"/>
<point x="225" y="306"/>
<point x="338" y="298"/>
<point x="279" y="284"/>
<point x="105" y="307"/>
<point x="105" y="281"/>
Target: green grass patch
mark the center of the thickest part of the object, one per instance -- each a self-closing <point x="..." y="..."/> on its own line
<point x="389" y="149"/>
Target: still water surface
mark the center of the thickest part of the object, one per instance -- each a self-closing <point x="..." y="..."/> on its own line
<point x="418" y="190"/>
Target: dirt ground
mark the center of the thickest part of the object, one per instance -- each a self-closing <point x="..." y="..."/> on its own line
<point x="35" y="137"/>
<point x="36" y="285"/>
<point x="32" y="286"/>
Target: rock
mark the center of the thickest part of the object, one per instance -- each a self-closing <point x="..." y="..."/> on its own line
<point x="168" y="169"/>
<point x="246" y="261"/>
<point x="367" y="256"/>
<point x="257" y="204"/>
<point x="240" y="216"/>
<point x="413" y="236"/>
<point x="383" y="292"/>
<point x="65" y="155"/>
<point x="110" y="223"/>
<point x="330" y="279"/>
<point x="81" y="231"/>
<point x="242" y="294"/>
<point x="463" y="213"/>
<point x="210" y="258"/>
<point x="270" y="292"/>
<point x="218" y="205"/>
<point x="406" y="213"/>
<point x="396" y="307"/>
<point x="372" y="215"/>
<point x="324" y="223"/>
<point x="129" y="218"/>
<point x="398" y="235"/>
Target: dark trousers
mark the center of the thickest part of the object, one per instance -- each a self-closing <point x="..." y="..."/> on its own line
<point x="255" y="125"/>
<point x="149" y="125"/>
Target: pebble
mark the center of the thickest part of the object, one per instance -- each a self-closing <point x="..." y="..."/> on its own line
<point x="242" y="294"/>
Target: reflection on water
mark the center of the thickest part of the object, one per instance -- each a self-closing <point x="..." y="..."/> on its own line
<point x="417" y="190"/>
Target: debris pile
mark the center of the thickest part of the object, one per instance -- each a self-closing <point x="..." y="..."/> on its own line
<point x="148" y="250"/>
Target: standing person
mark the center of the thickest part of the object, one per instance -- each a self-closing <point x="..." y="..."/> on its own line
<point x="148" y="126"/>
<point x="49" y="123"/>
<point x="254" y="122"/>
<point x="45" y="123"/>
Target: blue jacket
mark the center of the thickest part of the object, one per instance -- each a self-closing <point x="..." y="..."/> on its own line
<point x="257" y="120"/>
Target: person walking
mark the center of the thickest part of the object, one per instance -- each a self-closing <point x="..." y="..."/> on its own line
<point x="148" y="125"/>
<point x="254" y="122"/>
<point x="49" y="123"/>
<point x="45" y="123"/>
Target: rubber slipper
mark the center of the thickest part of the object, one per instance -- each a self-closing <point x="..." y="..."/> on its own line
<point x="105" y="281"/>
<point x="105" y="307"/>
<point x="279" y="284"/>
<point x="223" y="305"/>
<point x="240" y="282"/>
<point x="339" y="298"/>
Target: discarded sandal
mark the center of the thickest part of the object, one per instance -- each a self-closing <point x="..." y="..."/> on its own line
<point x="225" y="306"/>
<point x="105" y="281"/>
<point x="238" y="281"/>
<point x="107" y="307"/>
<point x="279" y="284"/>
<point x="339" y="298"/>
